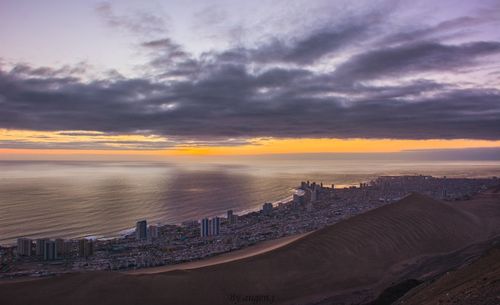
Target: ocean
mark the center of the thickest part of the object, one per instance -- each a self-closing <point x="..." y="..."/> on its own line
<point x="71" y="199"/>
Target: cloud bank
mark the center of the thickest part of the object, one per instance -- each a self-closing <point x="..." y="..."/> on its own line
<point x="360" y="78"/>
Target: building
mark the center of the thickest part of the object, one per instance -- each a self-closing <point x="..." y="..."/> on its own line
<point x="40" y="246"/>
<point x="210" y="227"/>
<point x="267" y="208"/>
<point x="60" y="247"/>
<point x="204" y="225"/>
<point x="314" y="194"/>
<point x="231" y="217"/>
<point x="310" y="192"/>
<point x="152" y="232"/>
<point x="298" y="198"/>
<point x="6" y="257"/>
<point x="214" y="228"/>
<point x="49" y="250"/>
<point x="141" y="230"/>
<point x="68" y="247"/>
<point x="24" y="246"/>
<point x="85" y="247"/>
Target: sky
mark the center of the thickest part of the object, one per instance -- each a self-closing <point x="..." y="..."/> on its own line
<point x="173" y="78"/>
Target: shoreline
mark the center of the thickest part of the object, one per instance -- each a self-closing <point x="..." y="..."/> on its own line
<point x="255" y="233"/>
<point x="226" y="257"/>
<point x="123" y="234"/>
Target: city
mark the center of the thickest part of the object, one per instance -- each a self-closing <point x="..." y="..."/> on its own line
<point x="314" y="206"/>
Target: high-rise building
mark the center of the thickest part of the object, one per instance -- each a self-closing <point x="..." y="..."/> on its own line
<point x="141" y="230"/>
<point x="214" y="227"/>
<point x="24" y="246"/>
<point x="298" y="198"/>
<point x="210" y="227"/>
<point x="314" y="194"/>
<point x="85" y="247"/>
<point x="204" y="225"/>
<point x="152" y="232"/>
<point x="68" y="247"/>
<point x="231" y="217"/>
<point x="40" y="246"/>
<point x="49" y="252"/>
<point x="60" y="247"/>
<point x="267" y="208"/>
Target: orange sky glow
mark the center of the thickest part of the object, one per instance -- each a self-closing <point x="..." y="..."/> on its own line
<point x="112" y="145"/>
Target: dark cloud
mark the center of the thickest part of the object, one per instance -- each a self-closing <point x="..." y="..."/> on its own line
<point x="444" y="30"/>
<point x="164" y="52"/>
<point x="168" y="59"/>
<point x="309" y="49"/>
<point x="279" y="87"/>
<point x="231" y="102"/>
<point x="414" y="58"/>
<point x="42" y="72"/>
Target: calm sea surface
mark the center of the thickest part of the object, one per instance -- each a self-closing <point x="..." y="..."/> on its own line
<point x="104" y="199"/>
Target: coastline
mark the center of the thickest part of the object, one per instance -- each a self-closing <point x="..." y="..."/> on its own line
<point x="124" y="233"/>
<point x="250" y="251"/>
<point x="255" y="233"/>
<point x="258" y="248"/>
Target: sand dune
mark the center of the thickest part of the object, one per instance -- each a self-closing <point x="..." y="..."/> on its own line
<point x="364" y="252"/>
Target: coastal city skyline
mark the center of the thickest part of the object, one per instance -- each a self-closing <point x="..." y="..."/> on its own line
<point x="154" y="245"/>
<point x="165" y="79"/>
